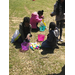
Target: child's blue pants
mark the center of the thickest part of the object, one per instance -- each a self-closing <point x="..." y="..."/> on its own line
<point x="45" y="44"/>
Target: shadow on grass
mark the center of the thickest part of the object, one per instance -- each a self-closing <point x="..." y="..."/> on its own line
<point x="17" y="45"/>
<point x="61" y="73"/>
<point x="47" y="50"/>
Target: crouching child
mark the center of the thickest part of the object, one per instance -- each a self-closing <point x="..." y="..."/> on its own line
<point x="25" y="30"/>
<point x="52" y="37"/>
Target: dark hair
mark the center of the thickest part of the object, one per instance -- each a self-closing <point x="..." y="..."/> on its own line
<point x="63" y="7"/>
<point x="41" y="12"/>
<point x="25" y="20"/>
<point x="52" y="25"/>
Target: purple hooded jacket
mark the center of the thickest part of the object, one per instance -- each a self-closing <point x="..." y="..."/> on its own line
<point x="34" y="20"/>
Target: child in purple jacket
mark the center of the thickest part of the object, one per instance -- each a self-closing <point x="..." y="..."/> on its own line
<point x="35" y="19"/>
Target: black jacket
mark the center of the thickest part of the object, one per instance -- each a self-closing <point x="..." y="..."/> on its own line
<point x="24" y="31"/>
<point x="52" y="37"/>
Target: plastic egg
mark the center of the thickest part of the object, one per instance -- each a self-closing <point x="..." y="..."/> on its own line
<point x="34" y="46"/>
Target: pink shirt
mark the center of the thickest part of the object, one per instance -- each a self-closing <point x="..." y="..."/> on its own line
<point x="35" y="19"/>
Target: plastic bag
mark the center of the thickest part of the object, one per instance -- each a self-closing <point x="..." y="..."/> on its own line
<point x="25" y="46"/>
<point x="15" y="36"/>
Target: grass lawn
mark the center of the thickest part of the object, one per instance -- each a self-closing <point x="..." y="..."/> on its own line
<point x="38" y="62"/>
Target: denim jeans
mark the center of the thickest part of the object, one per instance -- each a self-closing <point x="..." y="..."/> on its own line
<point x="45" y="44"/>
<point x="20" y="39"/>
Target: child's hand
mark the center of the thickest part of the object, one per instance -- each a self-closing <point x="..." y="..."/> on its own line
<point x="28" y="37"/>
<point x="43" y="17"/>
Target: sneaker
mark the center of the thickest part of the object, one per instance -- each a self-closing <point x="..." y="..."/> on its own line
<point x="61" y="40"/>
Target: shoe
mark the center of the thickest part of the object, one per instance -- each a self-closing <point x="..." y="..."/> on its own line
<point x="61" y="40"/>
<point x="57" y="47"/>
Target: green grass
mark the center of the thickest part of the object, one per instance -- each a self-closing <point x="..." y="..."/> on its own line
<point x="33" y="62"/>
